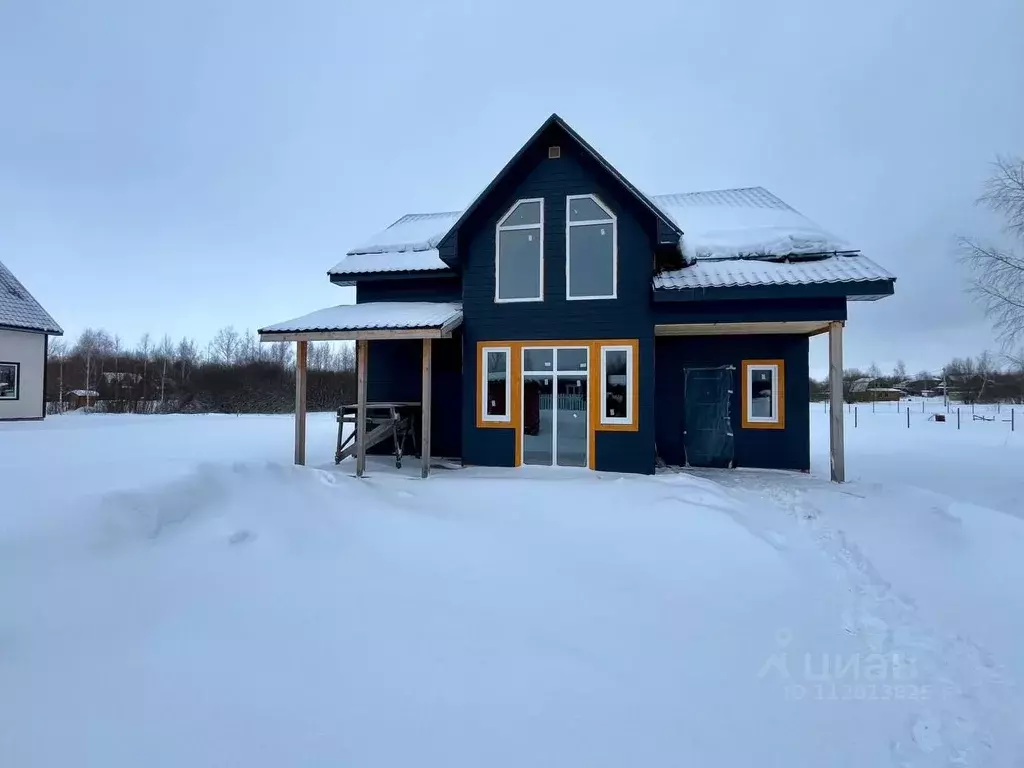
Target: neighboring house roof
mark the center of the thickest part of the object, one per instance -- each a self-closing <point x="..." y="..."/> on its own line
<point x="373" y="316"/>
<point x="20" y="310"/>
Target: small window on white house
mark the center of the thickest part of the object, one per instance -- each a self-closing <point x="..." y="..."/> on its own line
<point x="519" y="253"/>
<point x="616" y="385"/>
<point x="9" y="380"/>
<point x="495" y="384"/>
<point x="591" y="249"/>
<point x="763" y="394"/>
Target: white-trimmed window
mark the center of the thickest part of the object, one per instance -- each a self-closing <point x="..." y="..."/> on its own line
<point x="763" y="394"/>
<point x="591" y="249"/>
<point x="519" y="253"/>
<point x="617" y="385"/>
<point x="9" y="380"/>
<point x="495" y="384"/>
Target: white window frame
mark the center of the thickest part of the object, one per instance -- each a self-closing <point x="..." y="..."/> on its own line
<point x="484" y="416"/>
<point x="626" y="420"/>
<point x="17" y="381"/>
<point x="615" y="245"/>
<point x="774" y="419"/>
<point x="502" y="227"/>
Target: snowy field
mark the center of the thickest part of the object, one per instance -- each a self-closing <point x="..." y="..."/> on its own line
<point x="174" y="593"/>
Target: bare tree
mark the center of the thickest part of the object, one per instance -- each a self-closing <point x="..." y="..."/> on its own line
<point x="188" y="355"/>
<point x="998" y="282"/>
<point x="58" y="351"/>
<point x="224" y="346"/>
<point x="281" y="353"/>
<point x="900" y="371"/>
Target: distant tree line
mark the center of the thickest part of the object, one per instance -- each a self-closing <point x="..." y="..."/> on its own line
<point x="235" y="373"/>
<point x="986" y="378"/>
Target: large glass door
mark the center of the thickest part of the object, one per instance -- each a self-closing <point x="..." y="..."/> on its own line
<point x="555" y="398"/>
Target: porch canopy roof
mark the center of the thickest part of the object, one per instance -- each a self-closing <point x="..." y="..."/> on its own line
<point x="373" y="320"/>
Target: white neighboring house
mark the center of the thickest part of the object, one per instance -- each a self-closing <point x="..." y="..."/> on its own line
<point x="25" y="328"/>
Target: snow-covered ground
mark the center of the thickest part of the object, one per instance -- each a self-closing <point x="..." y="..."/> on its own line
<point x="173" y="592"/>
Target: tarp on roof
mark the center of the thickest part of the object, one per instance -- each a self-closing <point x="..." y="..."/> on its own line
<point x="374" y="316"/>
<point x="19" y="309"/>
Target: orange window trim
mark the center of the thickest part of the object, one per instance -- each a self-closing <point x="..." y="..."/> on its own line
<point x="595" y="370"/>
<point x="598" y="354"/>
<point x="745" y="395"/>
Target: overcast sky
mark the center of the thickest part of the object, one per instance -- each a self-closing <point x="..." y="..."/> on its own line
<point x="181" y="166"/>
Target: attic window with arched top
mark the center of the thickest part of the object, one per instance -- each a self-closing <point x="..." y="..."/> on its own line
<point x="519" y="253"/>
<point x="591" y="249"/>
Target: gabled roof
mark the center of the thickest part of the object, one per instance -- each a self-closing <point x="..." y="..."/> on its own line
<point x="20" y="310"/>
<point x="410" y="244"/>
<point x="728" y="238"/>
<point x="555" y="120"/>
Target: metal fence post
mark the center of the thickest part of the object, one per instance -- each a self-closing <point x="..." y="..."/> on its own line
<point x="1011" y="419"/>
<point x="855" y="417"/>
<point x="958" y="418"/>
<point x="908" y="418"/>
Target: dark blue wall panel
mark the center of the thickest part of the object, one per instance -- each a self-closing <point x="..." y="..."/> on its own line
<point x="787" y="448"/>
<point x="627" y="317"/>
<point x="761" y="311"/>
<point x="409" y="289"/>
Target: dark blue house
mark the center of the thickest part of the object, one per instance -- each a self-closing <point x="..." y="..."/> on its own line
<point x="566" y="318"/>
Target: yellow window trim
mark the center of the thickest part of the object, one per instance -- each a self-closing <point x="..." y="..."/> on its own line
<point x="745" y="367"/>
<point x="515" y="372"/>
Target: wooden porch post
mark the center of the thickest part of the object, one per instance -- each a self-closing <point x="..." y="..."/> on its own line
<point x="835" y="381"/>
<point x="300" y="401"/>
<point x="362" y="352"/>
<point x="425" y="407"/>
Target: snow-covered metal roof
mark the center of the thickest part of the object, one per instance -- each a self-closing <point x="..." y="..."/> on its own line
<point x="718" y="224"/>
<point x="408" y="245"/>
<point x="731" y="223"/>
<point x="373" y="316"/>
<point x="19" y="309"/>
<point x="730" y="273"/>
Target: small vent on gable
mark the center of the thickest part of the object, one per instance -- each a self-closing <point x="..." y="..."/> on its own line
<point x="554" y="153"/>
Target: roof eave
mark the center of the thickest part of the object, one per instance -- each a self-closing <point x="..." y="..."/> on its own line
<point x="860" y="290"/>
<point x="352" y="278"/>
<point x="52" y="331"/>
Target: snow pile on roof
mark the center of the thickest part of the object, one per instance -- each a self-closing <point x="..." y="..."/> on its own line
<point x="726" y="273"/>
<point x="84" y="393"/>
<point x="19" y="309"/>
<point x="377" y="315"/>
<point x="732" y="223"/>
<point x="408" y="245"/>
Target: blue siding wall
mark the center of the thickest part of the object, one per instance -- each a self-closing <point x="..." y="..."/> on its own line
<point x="394" y="367"/>
<point x="627" y="317"/>
<point x="787" y="448"/>
<point x="749" y="311"/>
<point x="409" y="289"/>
